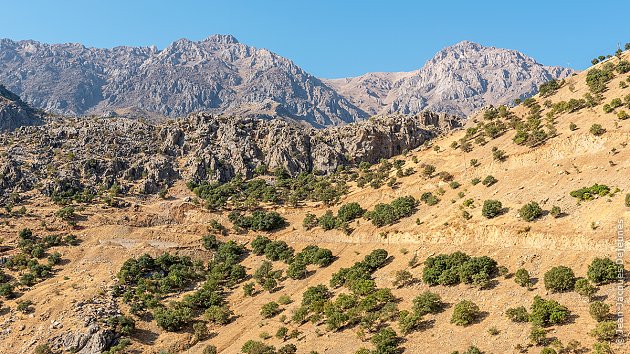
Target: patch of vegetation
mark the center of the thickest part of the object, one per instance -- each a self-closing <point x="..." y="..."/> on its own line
<point x="603" y="271"/>
<point x="491" y="208"/>
<point x="387" y="214"/>
<point x="241" y="193"/>
<point x="530" y="211"/>
<point x="259" y="220"/>
<point x="599" y="310"/>
<point x="589" y="193"/>
<point x="451" y="269"/>
<point x="465" y="313"/>
<point x="559" y="279"/>
<point x="489" y="180"/>
<point x="547" y="312"/>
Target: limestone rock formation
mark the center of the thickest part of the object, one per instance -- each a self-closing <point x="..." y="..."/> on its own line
<point x="216" y="74"/>
<point x="459" y="79"/>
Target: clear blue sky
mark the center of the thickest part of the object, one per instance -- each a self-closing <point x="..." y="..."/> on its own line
<point x="335" y="38"/>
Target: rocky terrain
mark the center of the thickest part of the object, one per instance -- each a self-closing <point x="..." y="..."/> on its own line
<point x="340" y="262"/>
<point x="14" y="113"/>
<point x="217" y="73"/>
<point x="221" y="75"/>
<point x="459" y="79"/>
<point x="78" y="154"/>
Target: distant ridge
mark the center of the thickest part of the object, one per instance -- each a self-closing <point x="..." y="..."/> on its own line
<point x="459" y="79"/>
<point x="221" y="75"/>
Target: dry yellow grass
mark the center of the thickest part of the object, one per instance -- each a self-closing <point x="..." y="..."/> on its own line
<point x="545" y="174"/>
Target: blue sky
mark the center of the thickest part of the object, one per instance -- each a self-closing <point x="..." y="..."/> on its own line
<point x="335" y="38"/>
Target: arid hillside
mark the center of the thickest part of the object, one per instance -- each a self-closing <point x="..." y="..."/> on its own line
<point x="521" y="191"/>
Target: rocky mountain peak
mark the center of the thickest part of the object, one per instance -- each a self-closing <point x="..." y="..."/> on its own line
<point x="459" y="79"/>
<point x="222" y="38"/>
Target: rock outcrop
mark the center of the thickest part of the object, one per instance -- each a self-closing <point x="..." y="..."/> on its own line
<point x="14" y="113"/>
<point x="73" y="156"/>
<point x="459" y="79"/>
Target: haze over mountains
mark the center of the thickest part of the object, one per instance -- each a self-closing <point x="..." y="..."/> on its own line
<point x="221" y="75"/>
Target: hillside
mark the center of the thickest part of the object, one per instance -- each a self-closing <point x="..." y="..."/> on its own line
<point x="459" y="79"/>
<point x="539" y="151"/>
<point x="14" y="113"/>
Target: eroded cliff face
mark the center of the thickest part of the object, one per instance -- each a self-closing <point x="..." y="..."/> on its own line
<point x="99" y="152"/>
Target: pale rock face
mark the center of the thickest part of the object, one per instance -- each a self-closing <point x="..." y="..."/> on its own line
<point x="216" y="74"/>
<point x="459" y="79"/>
<point x="221" y="75"/>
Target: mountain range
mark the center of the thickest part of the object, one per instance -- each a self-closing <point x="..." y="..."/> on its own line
<point x="221" y="75"/>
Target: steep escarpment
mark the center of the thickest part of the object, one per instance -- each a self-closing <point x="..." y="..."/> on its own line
<point x="78" y="154"/>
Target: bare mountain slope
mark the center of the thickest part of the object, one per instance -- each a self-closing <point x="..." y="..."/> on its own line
<point x="459" y="79"/>
<point x="215" y="74"/>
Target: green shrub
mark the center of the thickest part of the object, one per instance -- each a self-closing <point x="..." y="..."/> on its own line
<point x="209" y="349"/>
<point x="530" y="211"/>
<point x="387" y="214"/>
<point x="385" y="341"/>
<point x="573" y="126"/>
<point x="174" y="317"/>
<point x="350" y="211"/>
<point x="599" y="310"/>
<point x="597" y="129"/>
<point x="522" y="278"/>
<point x="310" y="221"/>
<point x="328" y="221"/>
<point x="297" y="270"/>
<point x="278" y="251"/>
<point x="122" y="325"/>
<point x="465" y="313"/>
<point x="603" y="270"/>
<point x="596" y="79"/>
<point x="409" y="321"/>
<point x="556" y="212"/>
<point x="548" y="350"/>
<point x="538" y="335"/>
<point x="588" y="193"/>
<point x="623" y="66"/>
<point x="219" y="314"/>
<point x="427" y="302"/>
<point x="547" y="312"/>
<point x="584" y="288"/>
<point x="559" y="279"/>
<point x="259" y="220"/>
<point x="605" y="330"/>
<point x="259" y="244"/>
<point x="256" y="347"/>
<point x="491" y="208"/>
<point x="628" y="200"/>
<point x="489" y="180"/>
<point x="475" y="181"/>
<point x="270" y="309"/>
<point x="429" y="198"/>
<point x="517" y="314"/>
